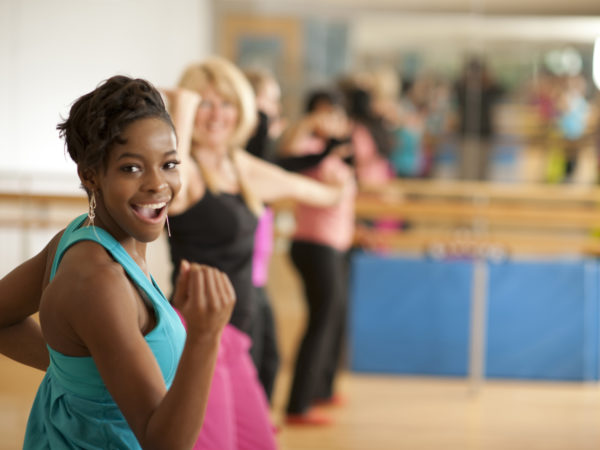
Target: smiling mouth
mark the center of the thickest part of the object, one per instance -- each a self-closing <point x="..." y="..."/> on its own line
<point x="150" y="212"/>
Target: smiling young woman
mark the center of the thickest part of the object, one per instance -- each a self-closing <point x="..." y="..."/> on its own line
<point x="121" y="371"/>
<point x="139" y="182"/>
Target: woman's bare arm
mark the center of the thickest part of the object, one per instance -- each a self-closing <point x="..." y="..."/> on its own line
<point x="311" y="132"/>
<point x="271" y="183"/>
<point x="20" y="292"/>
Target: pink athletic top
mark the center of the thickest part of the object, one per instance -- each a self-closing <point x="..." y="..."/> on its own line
<point x="332" y="225"/>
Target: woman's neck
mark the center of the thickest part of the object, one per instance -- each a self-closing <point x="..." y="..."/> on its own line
<point x="136" y="249"/>
<point x="219" y="169"/>
<point x="215" y="158"/>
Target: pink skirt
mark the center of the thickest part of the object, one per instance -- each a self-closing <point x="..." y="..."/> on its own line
<point x="237" y="413"/>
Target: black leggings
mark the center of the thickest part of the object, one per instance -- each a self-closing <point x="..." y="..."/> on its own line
<point x="264" y="350"/>
<point x="324" y="275"/>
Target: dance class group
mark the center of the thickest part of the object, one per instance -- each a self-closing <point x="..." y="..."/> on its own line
<point x="130" y="364"/>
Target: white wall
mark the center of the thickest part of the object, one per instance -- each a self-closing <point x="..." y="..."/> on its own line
<point x="51" y="52"/>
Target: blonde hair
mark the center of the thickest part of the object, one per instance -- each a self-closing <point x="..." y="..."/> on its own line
<point x="258" y="78"/>
<point x="231" y="84"/>
<point x="386" y="83"/>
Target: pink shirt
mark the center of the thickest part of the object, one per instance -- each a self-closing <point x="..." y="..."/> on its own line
<point x="371" y="167"/>
<point x="331" y="225"/>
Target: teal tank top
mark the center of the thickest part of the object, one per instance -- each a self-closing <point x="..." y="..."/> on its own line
<point x="72" y="408"/>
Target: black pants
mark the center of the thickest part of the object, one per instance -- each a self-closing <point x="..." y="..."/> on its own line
<point x="264" y="350"/>
<point x="325" y="277"/>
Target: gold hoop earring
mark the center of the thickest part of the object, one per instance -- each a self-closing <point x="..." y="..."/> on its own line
<point x="92" y="209"/>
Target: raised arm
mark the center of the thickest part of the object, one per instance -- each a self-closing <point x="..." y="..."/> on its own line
<point x="271" y="183"/>
<point x="182" y="105"/>
<point x="20" y="292"/>
<point x="311" y="132"/>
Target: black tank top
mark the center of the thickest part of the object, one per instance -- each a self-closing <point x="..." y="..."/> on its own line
<point x="219" y="231"/>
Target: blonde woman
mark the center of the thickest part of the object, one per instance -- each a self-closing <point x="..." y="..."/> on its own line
<point x="214" y="218"/>
<point x="224" y="187"/>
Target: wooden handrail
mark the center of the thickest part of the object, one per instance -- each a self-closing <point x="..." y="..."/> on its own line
<point x="519" y="218"/>
<point x="484" y="190"/>
<point x="37" y="197"/>
<point x="456" y="242"/>
<point x="454" y="213"/>
<point x="39" y="210"/>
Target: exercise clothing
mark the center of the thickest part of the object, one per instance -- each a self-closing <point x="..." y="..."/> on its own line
<point x="219" y="231"/>
<point x="318" y="251"/>
<point x="324" y="275"/>
<point x="330" y="225"/>
<point x="73" y="408"/>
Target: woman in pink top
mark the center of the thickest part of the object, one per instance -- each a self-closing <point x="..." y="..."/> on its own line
<point x="323" y="236"/>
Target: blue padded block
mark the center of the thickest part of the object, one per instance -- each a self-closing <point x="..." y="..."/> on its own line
<point x="409" y="315"/>
<point x="543" y="320"/>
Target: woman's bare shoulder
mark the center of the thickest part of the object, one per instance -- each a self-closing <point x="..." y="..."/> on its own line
<point x="87" y="270"/>
<point x="89" y="289"/>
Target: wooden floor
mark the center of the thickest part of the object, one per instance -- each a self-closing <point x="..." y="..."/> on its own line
<point x="389" y="412"/>
<point x="402" y="413"/>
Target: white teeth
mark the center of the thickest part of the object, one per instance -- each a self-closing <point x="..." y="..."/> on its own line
<point x="153" y="205"/>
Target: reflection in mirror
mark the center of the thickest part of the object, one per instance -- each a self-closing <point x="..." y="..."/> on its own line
<point x="464" y="96"/>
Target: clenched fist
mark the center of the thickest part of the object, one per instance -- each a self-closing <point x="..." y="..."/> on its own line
<point x="205" y="298"/>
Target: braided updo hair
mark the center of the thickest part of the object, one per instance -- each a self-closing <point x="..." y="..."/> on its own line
<point x="98" y="119"/>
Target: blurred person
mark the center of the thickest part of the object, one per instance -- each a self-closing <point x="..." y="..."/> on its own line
<point x="265" y="349"/>
<point x="572" y="120"/>
<point x="544" y="97"/>
<point x="542" y="94"/>
<point x="408" y="156"/>
<point x="121" y="371"/>
<point x="371" y="139"/>
<point x="321" y="240"/>
<point x="372" y="144"/>
<point x="477" y="94"/>
<point x="386" y="90"/>
<point x="323" y="128"/>
<point x="440" y="127"/>
<point x="270" y="121"/>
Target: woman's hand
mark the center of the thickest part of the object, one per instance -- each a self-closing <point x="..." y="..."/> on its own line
<point x="205" y="297"/>
<point x="335" y="172"/>
<point x="330" y="124"/>
<point x="180" y="100"/>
